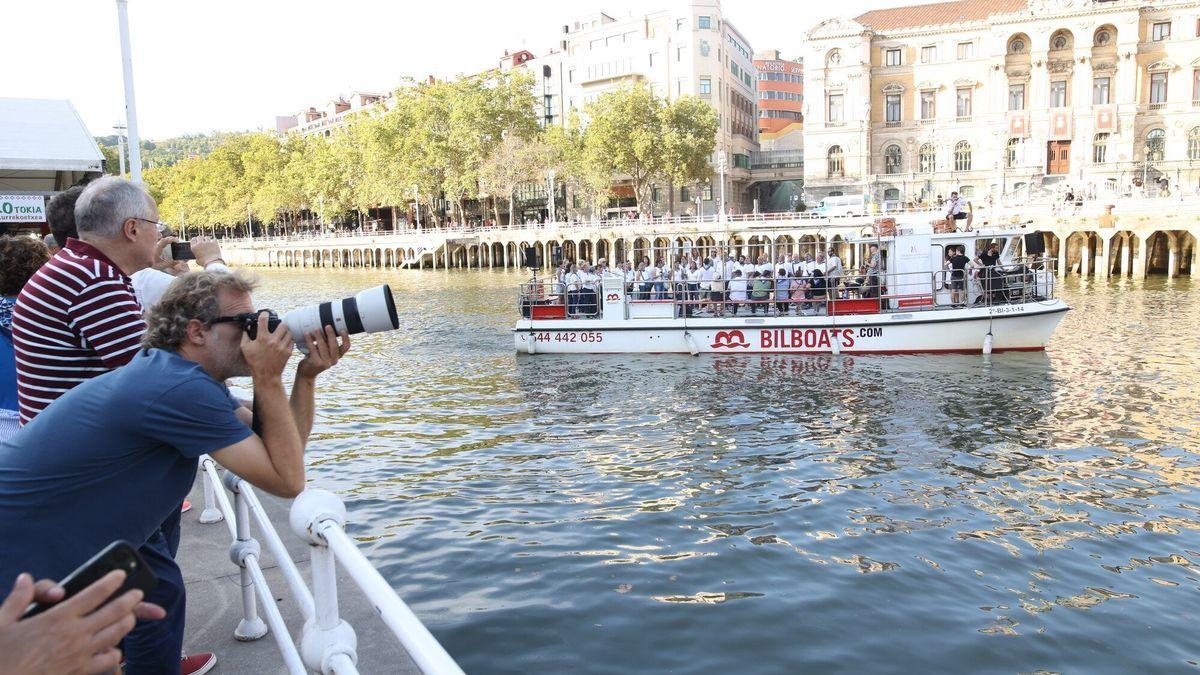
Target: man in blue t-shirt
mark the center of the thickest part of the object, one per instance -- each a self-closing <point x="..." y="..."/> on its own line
<point x="113" y="457"/>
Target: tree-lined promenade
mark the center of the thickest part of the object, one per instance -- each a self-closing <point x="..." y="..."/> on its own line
<point x="468" y="144"/>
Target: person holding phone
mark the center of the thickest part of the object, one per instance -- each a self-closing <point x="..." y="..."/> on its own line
<point x="76" y="635"/>
<point x="113" y="457"/>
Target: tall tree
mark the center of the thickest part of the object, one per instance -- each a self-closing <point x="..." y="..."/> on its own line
<point x="625" y="129"/>
<point x="689" y="132"/>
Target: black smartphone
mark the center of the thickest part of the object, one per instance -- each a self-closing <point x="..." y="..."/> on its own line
<point x="119" y="555"/>
<point x="182" y="250"/>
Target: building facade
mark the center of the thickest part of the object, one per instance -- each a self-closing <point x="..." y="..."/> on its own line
<point x="1004" y="99"/>
<point x="778" y="167"/>
<point x="333" y="115"/>
<point x="688" y="49"/>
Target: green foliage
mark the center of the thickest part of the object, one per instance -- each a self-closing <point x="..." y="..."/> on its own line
<point x="465" y="139"/>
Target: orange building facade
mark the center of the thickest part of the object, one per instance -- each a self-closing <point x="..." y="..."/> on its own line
<point x="780" y="101"/>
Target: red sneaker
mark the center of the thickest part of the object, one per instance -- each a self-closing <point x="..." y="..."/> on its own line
<point x="187" y="506"/>
<point x="197" y="664"/>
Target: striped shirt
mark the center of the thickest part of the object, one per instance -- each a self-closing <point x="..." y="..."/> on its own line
<point x="76" y="318"/>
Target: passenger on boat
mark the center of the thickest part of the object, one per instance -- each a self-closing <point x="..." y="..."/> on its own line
<point x="956" y="262"/>
<point x="760" y="292"/>
<point x="988" y="260"/>
<point x="737" y="291"/>
<point x="818" y="291"/>
<point x="694" y="277"/>
<point x="572" y="281"/>
<point x="589" y="297"/>
<point x="716" y="292"/>
<point x="764" y="265"/>
<point x="783" y="289"/>
<point x="833" y="272"/>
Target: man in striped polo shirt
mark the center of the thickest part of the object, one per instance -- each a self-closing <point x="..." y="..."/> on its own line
<point x="78" y="317"/>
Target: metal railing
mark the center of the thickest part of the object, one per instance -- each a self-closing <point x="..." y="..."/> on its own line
<point x="1021" y="281"/>
<point x="327" y="643"/>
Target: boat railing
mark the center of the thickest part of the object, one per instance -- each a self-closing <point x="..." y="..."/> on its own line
<point x="851" y="292"/>
<point x="327" y="642"/>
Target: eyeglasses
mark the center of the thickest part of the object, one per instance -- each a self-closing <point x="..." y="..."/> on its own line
<point x="159" y="225"/>
<point x="248" y="321"/>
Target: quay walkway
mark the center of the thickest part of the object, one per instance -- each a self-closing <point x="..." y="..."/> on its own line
<point x="1141" y="236"/>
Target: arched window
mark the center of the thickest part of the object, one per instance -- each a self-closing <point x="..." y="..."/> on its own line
<point x="836" y="166"/>
<point x="1104" y="37"/>
<point x="833" y="58"/>
<point x="962" y="156"/>
<point x="891" y="159"/>
<point x="1156" y="144"/>
<point x="1010" y="154"/>
<point x="1100" y="149"/>
<point x="1016" y="45"/>
<point x="1194" y="143"/>
<point x="1060" y="40"/>
<point x="927" y="159"/>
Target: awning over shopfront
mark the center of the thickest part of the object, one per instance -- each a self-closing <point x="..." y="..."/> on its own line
<point x="44" y="147"/>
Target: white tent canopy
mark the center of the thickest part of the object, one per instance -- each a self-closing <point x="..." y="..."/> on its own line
<point x="44" y="146"/>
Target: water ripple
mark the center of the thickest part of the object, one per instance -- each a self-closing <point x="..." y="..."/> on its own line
<point x="1034" y="512"/>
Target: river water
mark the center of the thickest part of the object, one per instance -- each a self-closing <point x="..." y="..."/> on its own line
<point x="770" y="514"/>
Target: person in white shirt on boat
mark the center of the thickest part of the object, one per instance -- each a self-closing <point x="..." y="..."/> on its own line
<point x="833" y="270"/>
<point x="764" y="265"/>
<point x="572" y="281"/>
<point x="694" y="276"/>
<point x="590" y="292"/>
<point x="643" y="283"/>
<point x="737" y="291"/>
<point x="708" y="276"/>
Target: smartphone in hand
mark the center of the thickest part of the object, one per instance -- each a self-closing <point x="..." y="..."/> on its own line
<point x="182" y="250"/>
<point x="119" y="555"/>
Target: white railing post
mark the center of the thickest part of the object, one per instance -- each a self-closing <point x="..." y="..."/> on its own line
<point x="210" y="514"/>
<point x="251" y="627"/>
<point x="326" y="639"/>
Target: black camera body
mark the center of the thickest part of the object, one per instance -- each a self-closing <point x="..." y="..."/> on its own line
<point x="250" y="323"/>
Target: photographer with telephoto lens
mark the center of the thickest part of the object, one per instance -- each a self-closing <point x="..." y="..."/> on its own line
<point x="114" y="456"/>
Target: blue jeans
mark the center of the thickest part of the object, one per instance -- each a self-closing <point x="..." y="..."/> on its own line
<point x="154" y="647"/>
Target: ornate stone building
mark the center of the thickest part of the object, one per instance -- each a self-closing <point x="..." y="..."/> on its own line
<point x="1004" y="97"/>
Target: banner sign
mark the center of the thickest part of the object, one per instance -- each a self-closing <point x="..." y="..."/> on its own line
<point x="22" y="209"/>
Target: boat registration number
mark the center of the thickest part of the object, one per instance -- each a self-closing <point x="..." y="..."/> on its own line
<point x="1006" y="309"/>
<point x="570" y="336"/>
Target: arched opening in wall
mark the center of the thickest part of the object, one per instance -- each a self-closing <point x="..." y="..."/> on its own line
<point x="784" y="245"/>
<point x="1061" y="40"/>
<point x="640" y="250"/>
<point x="661" y="251"/>
<point x="389" y="259"/>
<point x="570" y="252"/>
<point x="835" y="162"/>
<point x="736" y="246"/>
<point x="962" y="156"/>
<point x="539" y="250"/>
<point x="1157" y="253"/>
<point x="602" y="250"/>
<point x="893" y="159"/>
<point x="1104" y="63"/>
<point x="378" y="260"/>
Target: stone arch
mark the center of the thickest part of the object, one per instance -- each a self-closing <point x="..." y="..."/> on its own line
<point x="1061" y="40"/>
<point x="1017" y="44"/>
<point x="1105" y="37"/>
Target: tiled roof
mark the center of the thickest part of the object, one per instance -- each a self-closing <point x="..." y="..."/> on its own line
<point x="937" y="13"/>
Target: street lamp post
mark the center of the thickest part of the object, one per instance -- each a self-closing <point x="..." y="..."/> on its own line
<point x="550" y="205"/>
<point x="135" y="152"/>
<point x="120" y="129"/>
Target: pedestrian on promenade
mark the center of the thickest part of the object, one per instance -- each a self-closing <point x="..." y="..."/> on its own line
<point x="20" y="259"/>
<point x="121" y="449"/>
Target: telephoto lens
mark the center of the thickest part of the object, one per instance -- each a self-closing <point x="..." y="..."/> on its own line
<point x="369" y="311"/>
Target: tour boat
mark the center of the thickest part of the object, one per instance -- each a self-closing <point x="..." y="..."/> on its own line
<point x="911" y="308"/>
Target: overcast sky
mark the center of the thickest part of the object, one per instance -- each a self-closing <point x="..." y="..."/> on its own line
<point x="235" y="64"/>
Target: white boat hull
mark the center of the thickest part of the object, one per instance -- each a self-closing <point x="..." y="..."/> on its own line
<point x="1017" y="327"/>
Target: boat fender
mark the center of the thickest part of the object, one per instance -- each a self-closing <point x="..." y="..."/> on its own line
<point x="691" y="343"/>
<point x="531" y="348"/>
<point x="987" y="343"/>
<point x="835" y="343"/>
